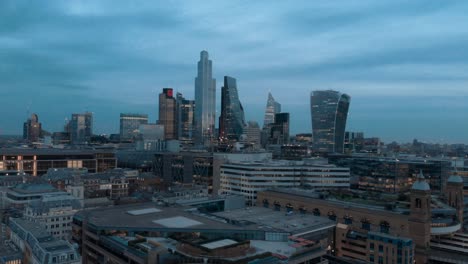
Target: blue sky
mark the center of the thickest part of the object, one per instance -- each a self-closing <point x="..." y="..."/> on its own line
<point x="404" y="63"/>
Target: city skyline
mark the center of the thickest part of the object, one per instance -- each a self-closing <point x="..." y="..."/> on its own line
<point x="412" y="56"/>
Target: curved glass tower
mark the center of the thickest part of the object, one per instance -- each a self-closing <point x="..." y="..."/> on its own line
<point x="205" y="101"/>
<point x="231" y="121"/>
<point x="329" y="111"/>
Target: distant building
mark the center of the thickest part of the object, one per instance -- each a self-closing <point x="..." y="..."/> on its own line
<point x="272" y="108"/>
<point x="205" y="101"/>
<point x="37" y="161"/>
<point x="185" y="119"/>
<point x="81" y="128"/>
<point x="248" y="178"/>
<point x="329" y="111"/>
<point x="279" y="131"/>
<point x="38" y="246"/>
<point x="167" y="113"/>
<point x="252" y="133"/>
<point x="32" y="129"/>
<point x="150" y="137"/>
<point x="129" y="124"/>
<point x="231" y="120"/>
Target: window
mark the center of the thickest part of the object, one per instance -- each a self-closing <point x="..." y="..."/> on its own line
<point x="380" y="248"/>
<point x="371" y="246"/>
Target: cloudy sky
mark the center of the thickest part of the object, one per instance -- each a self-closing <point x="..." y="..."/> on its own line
<point x="404" y="63"/>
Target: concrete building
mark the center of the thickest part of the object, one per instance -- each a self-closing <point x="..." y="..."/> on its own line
<point x="54" y="213"/>
<point x="36" y="162"/>
<point x="38" y="246"/>
<point x="129" y="125"/>
<point x="150" y="138"/>
<point x="249" y="178"/>
<point x="424" y="229"/>
<point x="185" y="111"/>
<point x="146" y="233"/>
<point x="252" y="134"/>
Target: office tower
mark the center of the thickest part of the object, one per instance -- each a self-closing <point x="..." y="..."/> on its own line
<point x="231" y="121"/>
<point x="252" y="134"/>
<point x="167" y="113"/>
<point x="81" y="128"/>
<point x="129" y="124"/>
<point x="32" y="129"/>
<point x="279" y="132"/>
<point x="272" y="108"/>
<point x="205" y="101"/>
<point x="185" y="118"/>
<point x="329" y="111"/>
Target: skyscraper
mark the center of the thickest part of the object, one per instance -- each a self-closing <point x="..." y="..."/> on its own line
<point x="81" y="128"/>
<point x="231" y="121"/>
<point x="32" y="129"/>
<point x="185" y="118"/>
<point x="129" y="124"/>
<point x="167" y="113"/>
<point x="272" y="108"/>
<point x="279" y="133"/>
<point x="329" y="111"/>
<point x="205" y="101"/>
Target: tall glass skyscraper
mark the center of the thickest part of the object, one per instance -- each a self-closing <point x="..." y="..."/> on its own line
<point x="329" y="111"/>
<point x="231" y="121"/>
<point x="205" y="101"/>
<point x="81" y="128"/>
<point x="272" y="108"/>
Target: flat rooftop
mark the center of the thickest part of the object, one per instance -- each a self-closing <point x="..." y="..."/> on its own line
<point x="51" y="151"/>
<point x="271" y="220"/>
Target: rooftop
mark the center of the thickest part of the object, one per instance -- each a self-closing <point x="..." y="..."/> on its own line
<point x="51" y="151"/>
<point x="32" y="188"/>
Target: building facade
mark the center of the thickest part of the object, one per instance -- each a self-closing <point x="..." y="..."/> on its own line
<point x="185" y="119"/>
<point x="272" y="108"/>
<point x="167" y="113"/>
<point x="279" y="130"/>
<point x="205" y="101"/>
<point x="81" y="128"/>
<point x="129" y="124"/>
<point x="329" y="110"/>
<point x="249" y="178"/>
<point x="231" y="120"/>
<point x="32" y="129"/>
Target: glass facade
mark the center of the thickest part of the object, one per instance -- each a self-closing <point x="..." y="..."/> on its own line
<point x="231" y="121"/>
<point x="205" y="101"/>
<point x="129" y="124"/>
<point x="272" y="108"/>
<point x="185" y="118"/>
<point x="329" y="111"/>
<point x="81" y="128"/>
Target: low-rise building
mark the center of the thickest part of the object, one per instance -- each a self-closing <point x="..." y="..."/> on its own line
<point x="38" y="246"/>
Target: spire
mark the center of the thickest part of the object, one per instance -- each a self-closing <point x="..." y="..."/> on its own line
<point x="455" y="178"/>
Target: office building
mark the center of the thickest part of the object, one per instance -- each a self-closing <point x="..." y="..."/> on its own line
<point x="329" y="111"/>
<point x="146" y="233"/>
<point x="38" y="246"/>
<point x="150" y="137"/>
<point x="32" y="129"/>
<point x="272" y="108"/>
<point x="81" y="128"/>
<point x="423" y="228"/>
<point x="36" y="162"/>
<point x="231" y="120"/>
<point x="185" y="167"/>
<point x="279" y="130"/>
<point x="129" y="124"/>
<point x="252" y="133"/>
<point x="205" y="101"/>
<point x="167" y="113"/>
<point x="185" y="119"/>
<point x="248" y="178"/>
